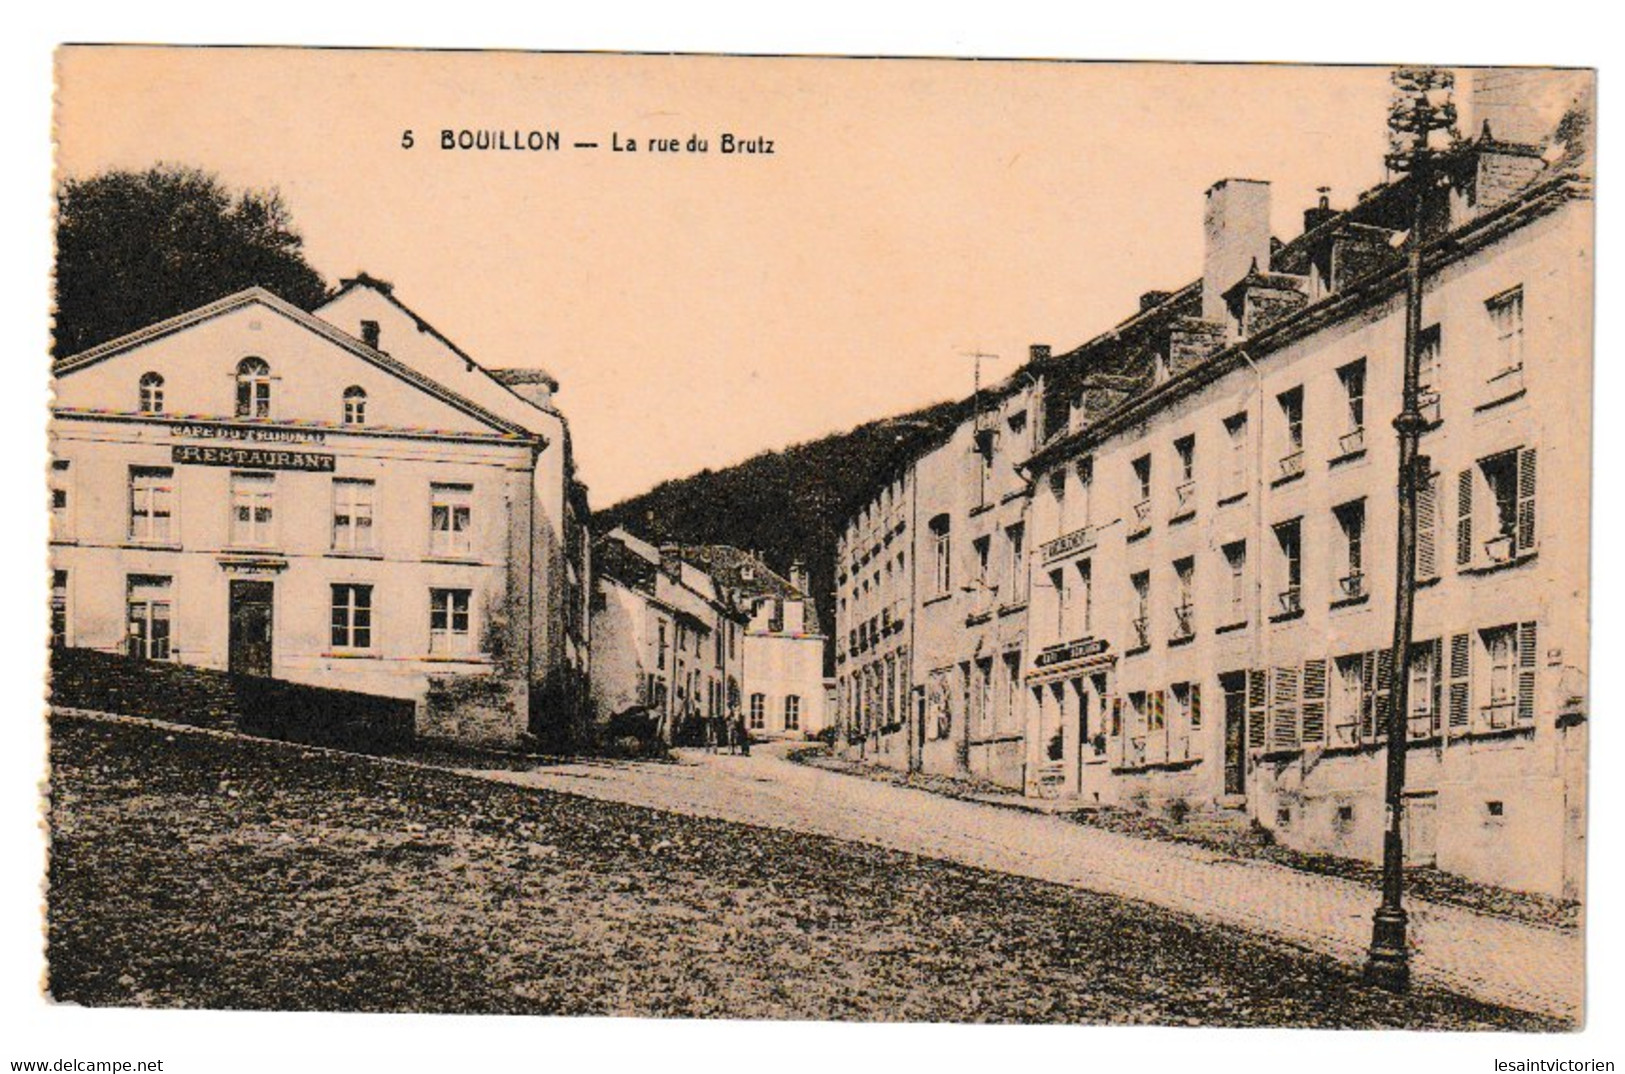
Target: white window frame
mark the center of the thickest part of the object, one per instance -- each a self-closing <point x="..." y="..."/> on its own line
<point x="149" y="602"/>
<point x="354" y="504"/>
<point x="451" y="519"/>
<point x="253" y="492"/>
<point x="451" y="616"/>
<point x="150" y="393"/>
<point x="355" y="405"/>
<point x="153" y="500"/>
<point x="253" y="384"/>
<point x="351" y="622"/>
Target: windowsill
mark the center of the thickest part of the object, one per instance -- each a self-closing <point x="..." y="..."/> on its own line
<point x="64" y="540"/>
<point x="350" y="654"/>
<point x="153" y="546"/>
<point x="340" y="553"/>
<point x="1157" y="766"/>
<point x="1499" y="401"/>
<point x="467" y="560"/>
<point x="1505" y="565"/>
<point x="1427" y="583"/>
<point x="1287" y="480"/>
<point x="978" y="618"/>
<point x="1182" y="517"/>
<point x="938" y="599"/>
<point x="1136" y="651"/>
<point x="1287" y="617"/>
<point x="454" y="658"/>
<point x="1183" y="639"/>
<point x="1014" y="494"/>
<point x="980" y="509"/>
<point x="1012" y="608"/>
<point x="1351" y="602"/>
<point x="1492" y="734"/>
<point x="1234" y="497"/>
<point x="1230" y="628"/>
<point x="1346" y="458"/>
<point x="1135" y="535"/>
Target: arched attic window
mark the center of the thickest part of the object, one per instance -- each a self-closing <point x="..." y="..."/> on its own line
<point x="152" y="393"/>
<point x="253" y="388"/>
<point x="355" y="405"/>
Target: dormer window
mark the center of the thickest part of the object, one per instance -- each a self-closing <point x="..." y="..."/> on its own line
<point x="355" y="405"/>
<point x="253" y="388"/>
<point x="152" y="393"/>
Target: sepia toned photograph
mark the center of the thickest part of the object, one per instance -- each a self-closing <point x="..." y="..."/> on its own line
<point x="820" y="539"/>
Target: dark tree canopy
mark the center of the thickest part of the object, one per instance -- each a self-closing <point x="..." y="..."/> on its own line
<point x="134" y="248"/>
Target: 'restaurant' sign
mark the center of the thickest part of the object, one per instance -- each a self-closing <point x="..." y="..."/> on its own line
<point x="1077" y="650"/>
<point x="251" y="458"/>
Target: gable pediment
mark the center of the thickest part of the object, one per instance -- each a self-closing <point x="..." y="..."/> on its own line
<point x="305" y="372"/>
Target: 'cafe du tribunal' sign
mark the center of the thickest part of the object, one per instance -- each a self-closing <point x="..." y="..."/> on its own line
<point x="257" y="458"/>
<point x="1077" y="650"/>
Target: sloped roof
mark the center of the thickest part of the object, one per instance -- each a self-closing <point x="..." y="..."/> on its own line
<point x="738" y="571"/>
<point x="251" y="296"/>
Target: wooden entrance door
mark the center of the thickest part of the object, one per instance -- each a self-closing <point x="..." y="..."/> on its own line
<point x="250" y="640"/>
<point x="1235" y="733"/>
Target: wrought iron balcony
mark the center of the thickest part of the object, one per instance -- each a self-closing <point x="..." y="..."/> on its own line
<point x="1142" y="631"/>
<point x="1353" y="584"/>
<point x="1352" y="441"/>
<point x="1185" y="497"/>
<point x="1291" y="600"/>
<point x="1184" y="621"/>
<point x="1142" y="510"/>
<point x="1291" y="466"/>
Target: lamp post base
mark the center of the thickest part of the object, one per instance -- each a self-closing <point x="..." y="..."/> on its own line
<point x="1388" y="964"/>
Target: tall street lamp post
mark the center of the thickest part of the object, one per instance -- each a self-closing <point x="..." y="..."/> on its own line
<point x="1421" y="108"/>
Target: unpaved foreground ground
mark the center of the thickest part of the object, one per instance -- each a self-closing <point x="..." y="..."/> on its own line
<point x="197" y="871"/>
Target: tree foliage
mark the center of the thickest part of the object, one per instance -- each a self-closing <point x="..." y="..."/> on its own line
<point x="134" y="248"/>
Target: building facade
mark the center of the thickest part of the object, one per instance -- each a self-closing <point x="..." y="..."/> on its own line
<point x="340" y="498"/>
<point x="874" y="626"/>
<point x="783" y="649"/>
<point x="1220" y="537"/>
<point x="667" y="641"/>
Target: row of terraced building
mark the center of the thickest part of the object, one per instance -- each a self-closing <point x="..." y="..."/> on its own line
<point x="1158" y="570"/>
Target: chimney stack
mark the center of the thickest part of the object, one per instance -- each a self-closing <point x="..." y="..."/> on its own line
<point x="534" y="386"/>
<point x="1313" y="218"/>
<point x="1236" y="224"/>
<point x="798" y="577"/>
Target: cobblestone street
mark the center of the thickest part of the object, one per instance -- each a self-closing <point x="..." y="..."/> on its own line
<point x="1493" y="959"/>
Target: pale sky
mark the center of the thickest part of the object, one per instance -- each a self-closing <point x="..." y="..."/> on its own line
<point x="698" y="309"/>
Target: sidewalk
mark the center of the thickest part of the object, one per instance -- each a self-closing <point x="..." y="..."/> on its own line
<point x="1493" y="959"/>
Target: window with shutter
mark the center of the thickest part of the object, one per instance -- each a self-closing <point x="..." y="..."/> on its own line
<point x="1526" y="500"/>
<point x="1464" y="518"/>
<point x="1380" y="691"/>
<point x="1422" y="721"/>
<point x="1257" y="707"/>
<point x="1284" y="709"/>
<point x="1461" y="649"/>
<point x="1427" y="528"/>
<point x="1314" y="703"/>
<point x="1350" y="702"/>
<point x="1526" y="673"/>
